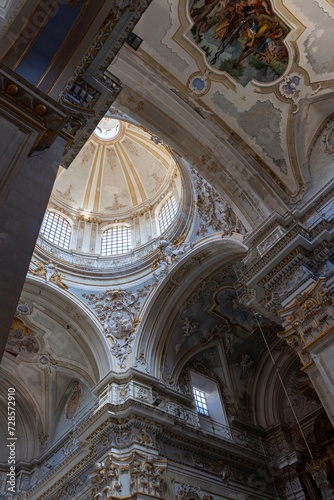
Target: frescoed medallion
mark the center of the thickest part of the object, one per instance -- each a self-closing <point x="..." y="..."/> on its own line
<point x="244" y="38"/>
<point x="21" y="339"/>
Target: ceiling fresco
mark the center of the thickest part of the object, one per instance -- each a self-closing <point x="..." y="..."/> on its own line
<point x="244" y="38"/>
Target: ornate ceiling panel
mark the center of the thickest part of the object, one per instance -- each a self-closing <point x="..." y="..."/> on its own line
<point x="254" y="67"/>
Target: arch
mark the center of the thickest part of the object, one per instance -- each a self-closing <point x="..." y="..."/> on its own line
<point x="28" y="421"/>
<point x="265" y="391"/>
<point x="76" y="319"/>
<point x="158" y="314"/>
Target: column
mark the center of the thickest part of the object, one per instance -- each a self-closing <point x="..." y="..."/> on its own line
<point x="309" y="329"/>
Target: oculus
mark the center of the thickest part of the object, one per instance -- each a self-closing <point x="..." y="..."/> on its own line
<point x="108" y="129"/>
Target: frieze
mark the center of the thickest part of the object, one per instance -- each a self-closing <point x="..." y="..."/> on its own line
<point x="185" y="491"/>
<point x="139" y="430"/>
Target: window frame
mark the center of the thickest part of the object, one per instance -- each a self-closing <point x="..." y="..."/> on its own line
<point x="54" y="233"/>
<point x="125" y="245"/>
<point x="201" y="402"/>
<point x="168" y="215"/>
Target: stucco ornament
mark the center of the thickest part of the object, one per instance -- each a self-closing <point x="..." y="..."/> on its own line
<point x="118" y="310"/>
<point x="214" y="212"/>
<point x="49" y="272"/>
<point x="188" y="327"/>
<point x="133" y="474"/>
<point x="186" y="491"/>
<point x="173" y="251"/>
<point x="293" y="87"/>
<point x="328" y="137"/>
<point x="73" y="401"/>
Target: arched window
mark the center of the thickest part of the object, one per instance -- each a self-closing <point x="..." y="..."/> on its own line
<point x="116" y="240"/>
<point x="56" y="229"/>
<point x="167" y="214"/>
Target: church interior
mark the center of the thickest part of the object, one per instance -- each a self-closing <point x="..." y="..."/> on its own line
<point x="166" y="245"/>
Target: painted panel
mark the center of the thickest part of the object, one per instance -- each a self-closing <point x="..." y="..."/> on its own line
<point x="245" y="38"/>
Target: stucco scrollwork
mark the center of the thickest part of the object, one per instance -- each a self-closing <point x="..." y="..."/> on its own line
<point x="74" y="401"/>
<point x="173" y="251"/>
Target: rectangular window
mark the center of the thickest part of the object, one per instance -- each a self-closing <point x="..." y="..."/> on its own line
<point x="200" y="402"/>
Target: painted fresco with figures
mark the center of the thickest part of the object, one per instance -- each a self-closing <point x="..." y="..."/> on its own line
<point x="245" y="38"/>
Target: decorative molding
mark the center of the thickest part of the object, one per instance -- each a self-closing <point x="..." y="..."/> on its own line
<point x="25" y="100"/>
<point x="307" y="319"/>
<point x="132" y="474"/>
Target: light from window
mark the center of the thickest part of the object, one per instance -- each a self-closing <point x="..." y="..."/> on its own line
<point x="116" y="240"/>
<point x="200" y="402"/>
<point x="167" y="214"/>
<point x="56" y="229"/>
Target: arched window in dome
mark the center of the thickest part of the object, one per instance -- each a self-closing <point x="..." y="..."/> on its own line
<point x="56" y="229"/>
<point x="167" y="213"/>
<point x="116" y="240"/>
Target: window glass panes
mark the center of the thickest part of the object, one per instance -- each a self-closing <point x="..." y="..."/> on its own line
<point x="167" y="214"/>
<point x="56" y="229"/>
<point x="200" y="402"/>
<point x="116" y="240"/>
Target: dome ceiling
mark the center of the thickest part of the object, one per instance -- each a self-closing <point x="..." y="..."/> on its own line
<point x="120" y="169"/>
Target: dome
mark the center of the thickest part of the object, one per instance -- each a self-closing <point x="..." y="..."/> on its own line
<point x="110" y="208"/>
<point x="119" y="170"/>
